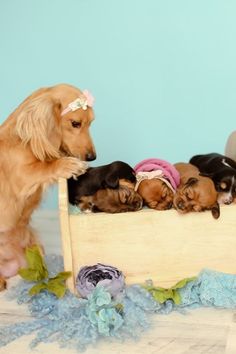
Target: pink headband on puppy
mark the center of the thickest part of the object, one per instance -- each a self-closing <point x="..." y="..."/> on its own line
<point x="84" y="101"/>
<point x="169" y="171"/>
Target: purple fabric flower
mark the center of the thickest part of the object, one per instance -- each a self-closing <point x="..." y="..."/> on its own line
<point x="99" y="274"/>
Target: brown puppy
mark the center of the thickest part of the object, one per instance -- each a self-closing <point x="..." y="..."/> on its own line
<point x="195" y="192"/>
<point x="156" y="194"/>
<point x="43" y="139"/>
<point x="108" y="200"/>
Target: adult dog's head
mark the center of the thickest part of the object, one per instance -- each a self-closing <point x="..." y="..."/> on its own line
<point x="195" y="193"/>
<point x="55" y="121"/>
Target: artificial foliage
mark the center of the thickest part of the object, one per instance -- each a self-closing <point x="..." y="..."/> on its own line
<point x="75" y="322"/>
<point x="37" y="272"/>
<point x="161" y="295"/>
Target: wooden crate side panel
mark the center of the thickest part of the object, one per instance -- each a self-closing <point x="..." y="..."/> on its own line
<point x="162" y="246"/>
<point x="66" y="236"/>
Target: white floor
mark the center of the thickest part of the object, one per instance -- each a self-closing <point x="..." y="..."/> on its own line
<point x="207" y="331"/>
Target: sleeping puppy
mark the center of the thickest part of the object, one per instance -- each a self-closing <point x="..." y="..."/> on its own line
<point x="95" y="178"/>
<point x="195" y="193"/>
<point x="156" y="194"/>
<point x="157" y="181"/>
<point x="109" y="200"/>
<point x="222" y="170"/>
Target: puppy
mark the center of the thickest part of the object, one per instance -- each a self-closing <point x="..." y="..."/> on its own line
<point x="157" y="181"/>
<point x="45" y="138"/>
<point x="95" y="178"/>
<point x="195" y="192"/>
<point x="119" y="200"/>
<point x="222" y="170"/>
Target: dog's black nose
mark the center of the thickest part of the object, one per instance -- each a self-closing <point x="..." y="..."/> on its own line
<point x="90" y="156"/>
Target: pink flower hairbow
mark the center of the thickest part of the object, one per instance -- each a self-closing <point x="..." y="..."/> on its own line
<point x="84" y="101"/>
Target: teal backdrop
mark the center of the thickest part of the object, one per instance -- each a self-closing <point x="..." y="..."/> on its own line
<point x="163" y="72"/>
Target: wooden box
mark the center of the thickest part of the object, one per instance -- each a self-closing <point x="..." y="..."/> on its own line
<point x="159" y="245"/>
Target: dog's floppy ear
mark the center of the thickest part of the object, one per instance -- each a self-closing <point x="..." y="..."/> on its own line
<point x="37" y="121"/>
<point x="215" y="210"/>
<point x="111" y="181"/>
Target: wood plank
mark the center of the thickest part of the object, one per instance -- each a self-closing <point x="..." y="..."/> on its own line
<point x="159" y="245"/>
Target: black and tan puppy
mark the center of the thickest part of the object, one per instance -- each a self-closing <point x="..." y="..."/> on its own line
<point x="195" y="192"/>
<point x="108" y="188"/>
<point x="95" y="178"/>
<point x="119" y="200"/>
<point x="222" y="170"/>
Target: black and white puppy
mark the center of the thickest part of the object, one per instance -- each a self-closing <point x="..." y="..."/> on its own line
<point x="96" y="178"/>
<point x="222" y="170"/>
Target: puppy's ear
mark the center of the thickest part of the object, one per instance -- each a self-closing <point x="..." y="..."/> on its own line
<point x="111" y="181"/>
<point x="191" y="181"/>
<point x="124" y="194"/>
<point x="38" y="125"/>
<point x="215" y="210"/>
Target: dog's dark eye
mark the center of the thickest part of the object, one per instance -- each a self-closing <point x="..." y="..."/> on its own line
<point x="75" y="124"/>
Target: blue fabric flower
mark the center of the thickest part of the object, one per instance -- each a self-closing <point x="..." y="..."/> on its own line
<point x="102" y="313"/>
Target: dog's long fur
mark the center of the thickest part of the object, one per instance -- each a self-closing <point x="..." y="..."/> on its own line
<point x="37" y="146"/>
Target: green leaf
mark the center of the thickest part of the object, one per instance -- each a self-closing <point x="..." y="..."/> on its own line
<point x="37" y="288"/>
<point x="161" y="294"/>
<point x="56" y="287"/>
<point x="62" y="276"/>
<point x="176" y="297"/>
<point x="182" y="283"/>
<point x="30" y="274"/>
<point x="37" y="269"/>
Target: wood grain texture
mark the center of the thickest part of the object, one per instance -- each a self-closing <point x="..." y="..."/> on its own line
<point x="159" y="245"/>
<point x="199" y="331"/>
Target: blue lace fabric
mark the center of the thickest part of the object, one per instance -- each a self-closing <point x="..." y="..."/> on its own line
<point x="74" y="322"/>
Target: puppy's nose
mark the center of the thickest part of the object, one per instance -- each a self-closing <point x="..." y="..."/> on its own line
<point x="180" y="205"/>
<point x="90" y="156"/>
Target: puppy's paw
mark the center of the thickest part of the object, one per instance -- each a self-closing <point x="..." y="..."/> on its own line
<point x="3" y="284"/>
<point x="70" y="167"/>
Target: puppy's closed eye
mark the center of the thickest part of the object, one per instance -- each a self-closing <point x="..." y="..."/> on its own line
<point x="191" y="181"/>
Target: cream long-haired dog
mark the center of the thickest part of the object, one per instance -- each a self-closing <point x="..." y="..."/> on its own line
<point x="45" y="138"/>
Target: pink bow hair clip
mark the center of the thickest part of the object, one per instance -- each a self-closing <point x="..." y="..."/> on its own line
<point x="84" y="101"/>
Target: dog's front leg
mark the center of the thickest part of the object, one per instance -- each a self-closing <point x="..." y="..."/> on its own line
<point x="50" y="171"/>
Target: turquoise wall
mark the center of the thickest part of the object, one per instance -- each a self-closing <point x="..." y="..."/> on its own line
<point x="163" y="72"/>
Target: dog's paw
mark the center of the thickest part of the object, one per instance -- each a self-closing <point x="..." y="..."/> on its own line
<point x="70" y="167"/>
